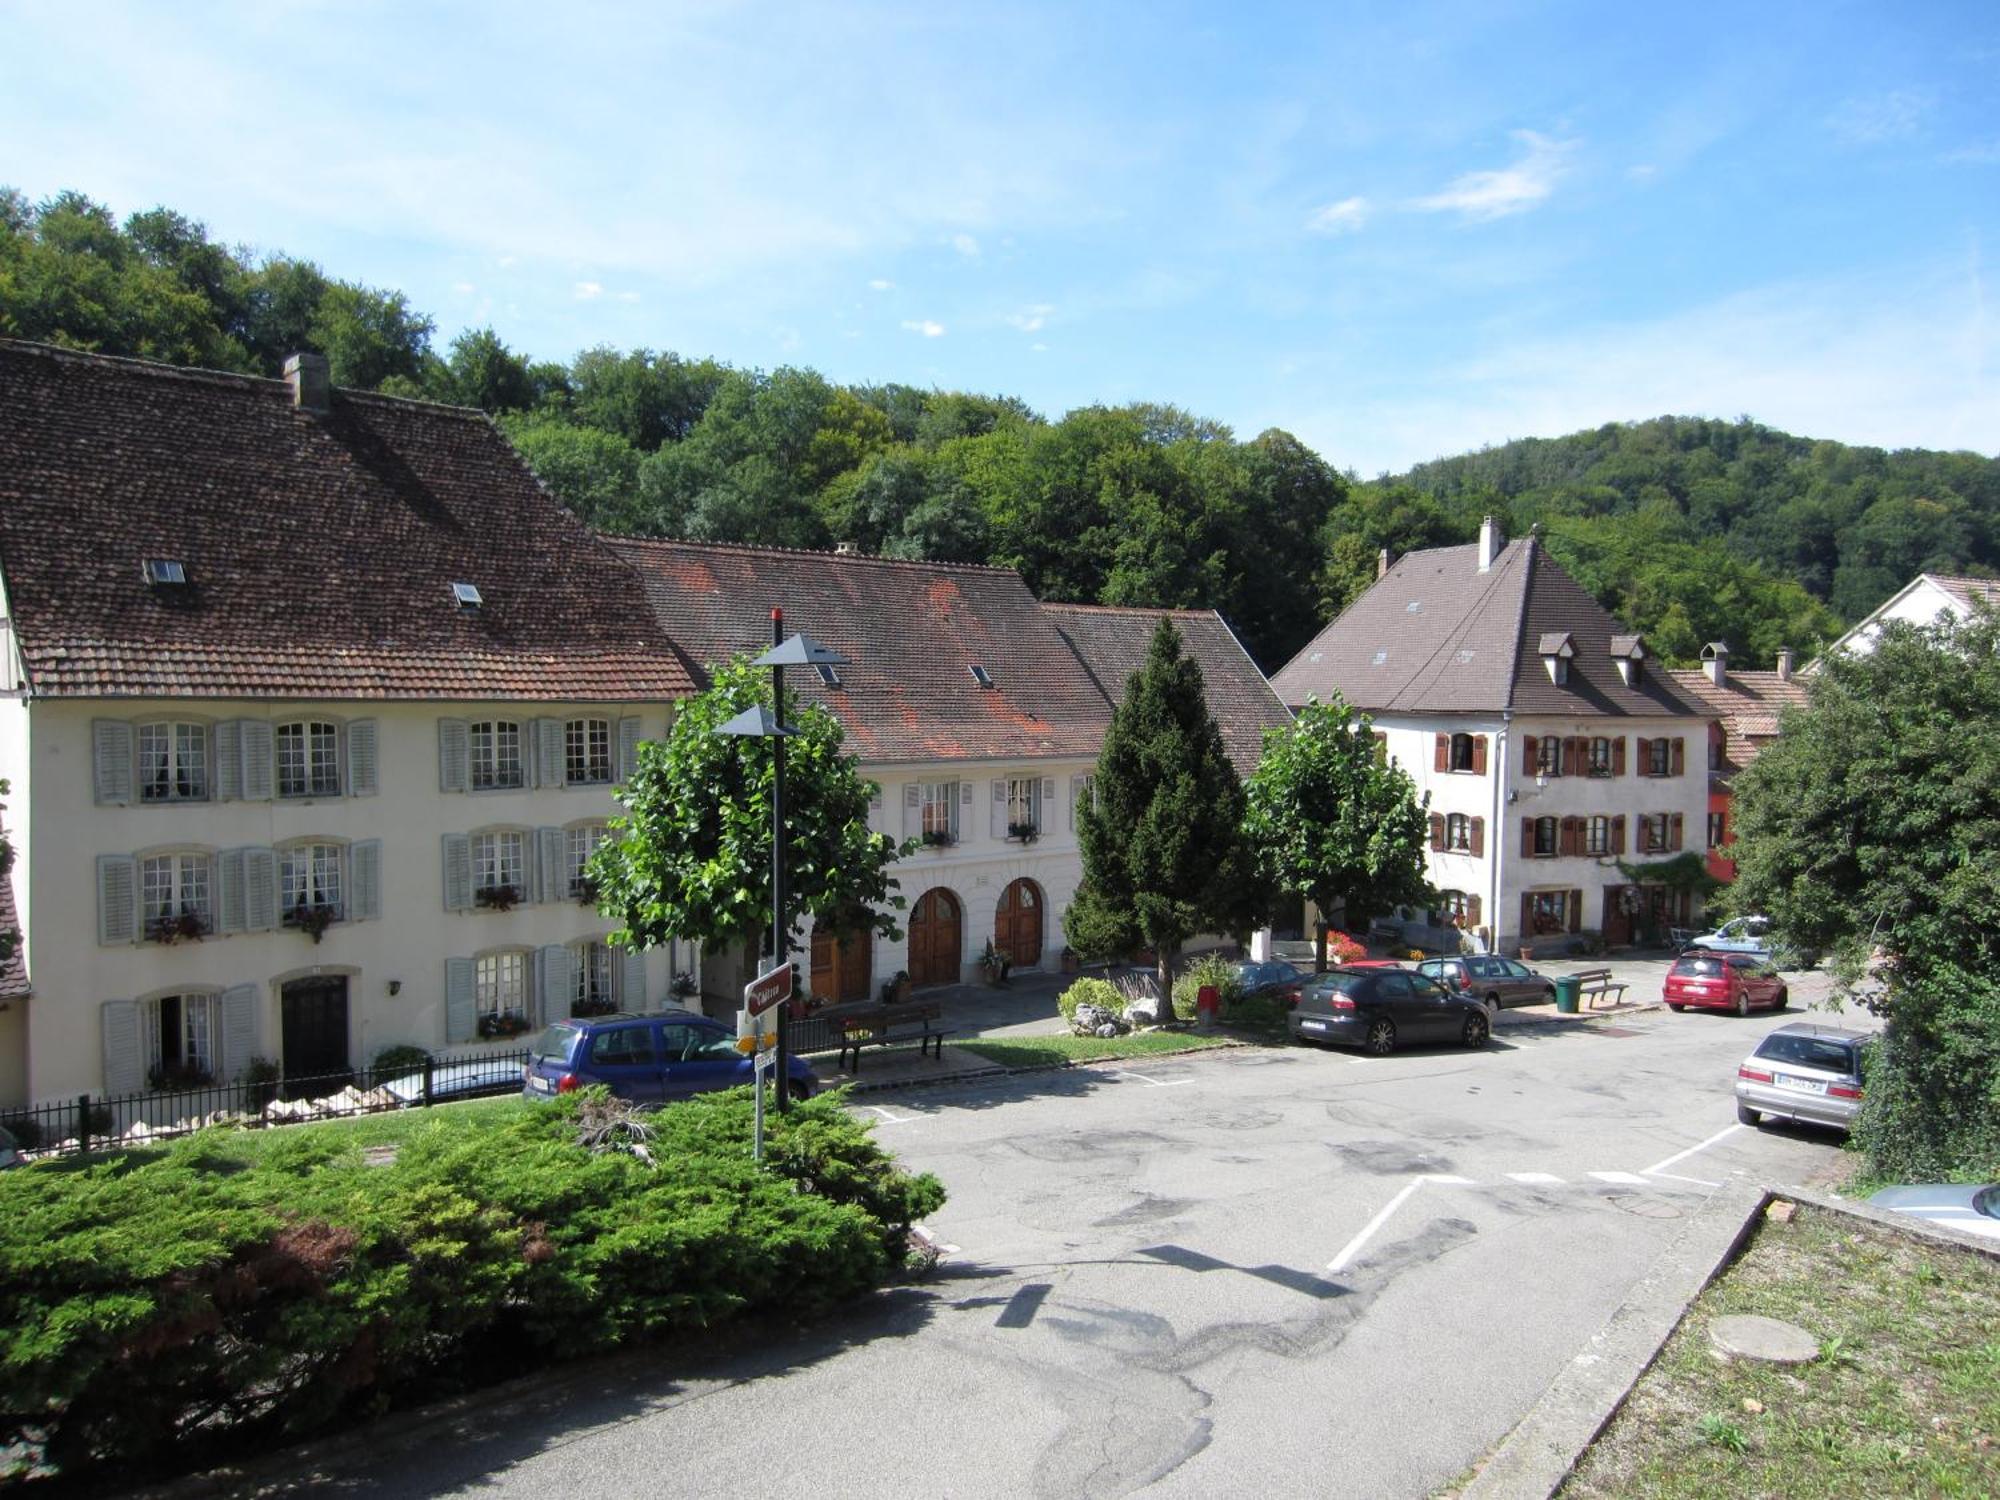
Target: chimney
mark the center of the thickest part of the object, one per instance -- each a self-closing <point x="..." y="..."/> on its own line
<point x="1784" y="664"/>
<point x="312" y="387"/>
<point x="1715" y="662"/>
<point x="845" y="549"/>
<point x="1489" y="543"/>
<point x="1382" y="563"/>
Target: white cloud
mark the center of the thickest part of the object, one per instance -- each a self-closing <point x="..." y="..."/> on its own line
<point x="587" y="290"/>
<point x="881" y="284"/>
<point x="928" y="327"/>
<point x="1895" y="116"/>
<point x="1480" y="196"/>
<point x="463" y="288"/>
<point x="1031" y="319"/>
<point x="1344" y="217"/>
<point x="965" y="245"/>
<point x="1981" y="154"/>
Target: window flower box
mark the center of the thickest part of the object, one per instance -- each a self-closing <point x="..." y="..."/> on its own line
<point x="1025" y="833"/>
<point x="503" y="1024"/>
<point x="168" y="928"/>
<point x="313" y="921"/>
<point x="180" y="1075"/>
<point x="497" y="897"/>
<point x="938" y="838"/>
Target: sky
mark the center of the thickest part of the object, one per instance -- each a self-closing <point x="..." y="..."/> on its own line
<point x="1398" y="231"/>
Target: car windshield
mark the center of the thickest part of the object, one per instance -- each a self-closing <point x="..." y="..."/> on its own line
<point x="1694" y="966"/>
<point x="1341" y="984"/>
<point x="554" y="1044"/>
<point x="1808" y="1051"/>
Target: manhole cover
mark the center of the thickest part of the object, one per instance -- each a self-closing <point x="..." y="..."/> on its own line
<point x="1746" y="1336"/>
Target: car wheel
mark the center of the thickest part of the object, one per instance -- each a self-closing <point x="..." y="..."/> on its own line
<point x="1476" y="1031"/>
<point x="1784" y="999"/>
<point x="1675" y="1006"/>
<point x="801" y="1090"/>
<point x="1381" y="1037"/>
<point x="1745" y="1115"/>
<point x="1742" y="1002"/>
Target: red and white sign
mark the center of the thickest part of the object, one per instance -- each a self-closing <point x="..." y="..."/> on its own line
<point x="767" y="990"/>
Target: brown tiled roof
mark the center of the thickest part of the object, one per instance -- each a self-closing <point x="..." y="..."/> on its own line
<point x="1748" y="704"/>
<point x="14" y="971"/>
<point x="911" y="631"/>
<point x="320" y="550"/>
<point x="1967" y="590"/>
<point x="1435" y="635"/>
<point x="1113" y="642"/>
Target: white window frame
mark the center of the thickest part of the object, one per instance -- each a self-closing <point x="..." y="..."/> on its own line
<point x="500" y="858"/>
<point x="1597" y="835"/>
<point x="937" y="807"/>
<point x="198" y="1018"/>
<point x="1462" y="764"/>
<point x="1649" y="824"/>
<point x="500" y="982"/>
<point x="187" y="877"/>
<point x="1660" y="757"/>
<point x="594" y="975"/>
<point x="1601" y="764"/>
<point x="1549" y="756"/>
<point x="1024" y="802"/>
<point x="1458" y="833"/>
<point x="580" y="841"/>
<point x="311" y="760"/>
<point x="1547" y="903"/>
<point x="493" y="755"/>
<point x="587" y="752"/>
<point x="312" y="871"/>
<point x="1554" y="826"/>
<point x="188" y="772"/>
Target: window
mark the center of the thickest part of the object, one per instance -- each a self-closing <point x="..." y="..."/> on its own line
<point x="1659" y="757"/>
<point x="496" y="755"/>
<point x="173" y="762"/>
<point x="1653" y="833"/>
<point x="582" y="841"/>
<point x="1548" y="911"/>
<point x="179" y="1034"/>
<point x="587" y="751"/>
<point x="939" y="801"/>
<point x="499" y="862"/>
<point x="308" y="759"/>
<point x="1457" y="908"/>
<point x="500" y="984"/>
<point x="1546" y="834"/>
<point x="1717" y="827"/>
<point x="627" y="1046"/>
<point x="591" y="994"/>
<point x="1461" y="752"/>
<point x="173" y="895"/>
<point x="1458" y="832"/>
<point x="309" y="879"/>
<point x="1600" y="756"/>
<point x="1549" y="756"/>
<point x="1597" y="837"/>
<point x="1024" y="805"/>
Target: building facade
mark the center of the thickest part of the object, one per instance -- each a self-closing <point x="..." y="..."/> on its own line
<point x="1747" y="706"/>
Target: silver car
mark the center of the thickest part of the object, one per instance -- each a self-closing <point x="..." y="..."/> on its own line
<point x="1494" y="982"/>
<point x="1803" y="1072"/>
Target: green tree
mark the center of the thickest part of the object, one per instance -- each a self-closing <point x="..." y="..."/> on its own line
<point x="1332" y="819"/>
<point x="594" y="473"/>
<point x="692" y="856"/>
<point x="1161" y="826"/>
<point x="1869" y="829"/>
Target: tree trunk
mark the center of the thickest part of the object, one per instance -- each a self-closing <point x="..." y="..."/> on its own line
<point x="1319" y="947"/>
<point x="1164" y="972"/>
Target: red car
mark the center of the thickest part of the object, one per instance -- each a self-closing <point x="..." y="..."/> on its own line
<point x="1725" y="981"/>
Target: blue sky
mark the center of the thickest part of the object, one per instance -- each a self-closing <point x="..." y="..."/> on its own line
<point x="1398" y="231"/>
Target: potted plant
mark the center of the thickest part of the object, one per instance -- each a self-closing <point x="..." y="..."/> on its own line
<point x="1025" y="833"/>
<point x="938" y="838"/>
<point x="596" y="1006"/>
<point x="503" y="1023"/>
<point x="584" y="888"/>
<point x="1070" y="962"/>
<point x="312" y="920"/>
<point x="169" y="927"/>
<point x="896" y="988"/>
<point x="179" y="1075"/>
<point x="995" y="963"/>
<point x="497" y="897"/>
<point x="683" y="986"/>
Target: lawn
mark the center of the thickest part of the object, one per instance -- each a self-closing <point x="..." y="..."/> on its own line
<point x="1903" y="1400"/>
<point x="1052" y="1051"/>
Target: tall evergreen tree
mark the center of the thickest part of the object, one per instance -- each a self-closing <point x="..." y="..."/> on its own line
<point x="1161" y="827"/>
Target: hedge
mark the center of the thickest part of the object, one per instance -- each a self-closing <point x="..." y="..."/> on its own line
<point x="155" y="1312"/>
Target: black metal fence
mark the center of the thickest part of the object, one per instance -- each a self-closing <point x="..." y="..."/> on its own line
<point x="97" y="1123"/>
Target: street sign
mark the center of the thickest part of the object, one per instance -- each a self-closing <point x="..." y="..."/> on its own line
<point x="762" y="1065"/>
<point x="767" y="990"/>
<point x="756" y="1032"/>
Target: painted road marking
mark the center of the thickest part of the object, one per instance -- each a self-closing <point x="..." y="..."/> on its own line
<point x="1534" y="1178"/>
<point x="1354" y="1246"/>
<point x="1676" y="1177"/>
<point x="1158" y="1083"/>
<point x="887" y="1118"/>
<point x="1620" y="1177"/>
<point x="1693" y="1150"/>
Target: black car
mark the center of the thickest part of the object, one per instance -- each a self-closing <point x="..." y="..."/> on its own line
<point x="1381" y="1009"/>
<point x="1271" y="977"/>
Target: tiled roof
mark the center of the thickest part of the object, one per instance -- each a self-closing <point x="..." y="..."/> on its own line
<point x="1113" y="642"/>
<point x="14" y="971"/>
<point x="320" y="549"/>
<point x="1966" y="590"/>
<point x="1435" y="635"/>
<point x="911" y="631"/>
<point x="1748" y="704"/>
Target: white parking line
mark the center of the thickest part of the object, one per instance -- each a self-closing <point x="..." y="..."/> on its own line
<point x="1692" y="1150"/>
<point x="1619" y="1177"/>
<point x="887" y="1118"/>
<point x="1534" y="1178"/>
<point x="1353" y="1246"/>
<point x="1676" y="1177"/>
<point x="1158" y="1083"/>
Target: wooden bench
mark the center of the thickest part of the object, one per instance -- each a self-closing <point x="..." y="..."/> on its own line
<point x="877" y="1025"/>
<point x="1597" y="984"/>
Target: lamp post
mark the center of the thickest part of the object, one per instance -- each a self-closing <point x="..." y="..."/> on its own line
<point x="759" y="723"/>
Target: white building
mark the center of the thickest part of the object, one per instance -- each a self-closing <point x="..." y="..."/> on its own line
<point x="1549" y="745"/>
<point x="1924" y="600"/>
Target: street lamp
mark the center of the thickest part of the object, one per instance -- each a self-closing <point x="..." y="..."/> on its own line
<point x="759" y="722"/>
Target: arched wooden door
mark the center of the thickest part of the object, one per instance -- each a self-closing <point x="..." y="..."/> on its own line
<point x="935" y="941"/>
<point x="842" y="964"/>
<point x="1017" y="926"/>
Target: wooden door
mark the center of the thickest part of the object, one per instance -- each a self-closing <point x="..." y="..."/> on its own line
<point x="935" y="943"/>
<point x="842" y="964"/>
<point x="313" y="1013"/>
<point x="1017" y="926"/>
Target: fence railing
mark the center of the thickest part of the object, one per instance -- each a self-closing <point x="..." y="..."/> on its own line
<point x="98" y="1123"/>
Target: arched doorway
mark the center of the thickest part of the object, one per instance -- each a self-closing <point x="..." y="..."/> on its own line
<point x="842" y="964"/>
<point x="1017" y="926"/>
<point x="935" y="942"/>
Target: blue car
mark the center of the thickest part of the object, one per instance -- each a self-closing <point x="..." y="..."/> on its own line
<point x="647" y="1059"/>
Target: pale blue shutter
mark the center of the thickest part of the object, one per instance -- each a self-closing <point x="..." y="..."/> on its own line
<point x="1045" y="806"/>
<point x="260" y="890"/>
<point x="461" y="1008"/>
<point x="964" y="803"/>
<point x="998" y="819"/>
<point x="531" y="866"/>
<point x="111" y="761"/>
<point x="632" y="978"/>
<point x="239" y="1029"/>
<point x="550" y="762"/>
<point x="454" y="755"/>
<point x="554" y="983"/>
<point x="257" y="763"/>
<point x="553" y="860"/>
<point x="361" y="761"/>
<point x="628" y="748"/>
<point x="117" y="899"/>
<point x="229" y="760"/>
<point x="913" y="810"/>
<point x="124" y="1056"/>
<point x="365" y="879"/>
<point x="1076" y="785"/>
<point x="230" y="910"/>
<point x="457" y="872"/>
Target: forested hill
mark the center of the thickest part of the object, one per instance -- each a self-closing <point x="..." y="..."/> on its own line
<point x="1691" y="531"/>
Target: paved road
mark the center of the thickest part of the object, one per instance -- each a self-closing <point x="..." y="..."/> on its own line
<point x="1263" y="1271"/>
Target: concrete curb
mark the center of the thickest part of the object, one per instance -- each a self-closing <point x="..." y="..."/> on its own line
<point x="1905" y="1224"/>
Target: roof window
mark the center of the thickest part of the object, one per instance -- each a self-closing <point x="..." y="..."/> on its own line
<point x="980" y="675"/>
<point x="1381" y="658"/>
<point x="827" y="674"/>
<point x="165" y="572"/>
<point x="467" y="595"/>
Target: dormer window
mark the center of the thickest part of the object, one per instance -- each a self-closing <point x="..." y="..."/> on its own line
<point x="1558" y="650"/>
<point x="980" y="675"/>
<point x="165" y="572"/>
<point x="1629" y="652"/>
<point x="467" y="595"/>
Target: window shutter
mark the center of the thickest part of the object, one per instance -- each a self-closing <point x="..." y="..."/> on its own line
<point x="913" y="801"/>
<point x="998" y="819"/>
<point x="1045" y="810"/>
<point x="1471" y="911"/>
<point x="1575" y="757"/>
<point x="1527" y="838"/>
<point x="454" y="755"/>
<point x="1478" y="838"/>
<point x="1527" y="917"/>
<point x="1566" y="839"/>
<point x="257" y="764"/>
<point x="461" y="1007"/>
<point x="553" y="983"/>
<point x="628" y="748"/>
<point x="229" y="760"/>
<point x="111" y="761"/>
<point x="553" y="863"/>
<point x="361" y="777"/>
<point x="1479" y="755"/>
<point x="124" y="1056"/>
<point x="1076" y="785"/>
<point x="1531" y="762"/>
<point x="1679" y="756"/>
<point x="1437" y="833"/>
<point x="632" y="978"/>
<point x="1674" y="833"/>
<point x="964" y="805"/>
<point x="1618" y="756"/>
<point x="364" y="869"/>
<point x="1576" y="911"/>
<point x="117" y="899"/>
<point x="531" y="866"/>
<point x="1618" y="833"/>
<point x="1645" y="751"/>
<point x="551" y="760"/>
<point x="458" y="872"/>
<point x="229" y="908"/>
<point x="1441" y="756"/>
<point x="260" y="890"/>
<point x="239" y="1030"/>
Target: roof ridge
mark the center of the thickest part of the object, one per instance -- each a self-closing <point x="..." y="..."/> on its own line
<point x="1133" y="609"/>
<point x="769" y="548"/>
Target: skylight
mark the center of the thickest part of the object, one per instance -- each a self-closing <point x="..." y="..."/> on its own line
<point x="164" y="571"/>
<point x="1381" y="658"/>
<point x="827" y="674"/>
<point x="980" y="675"/>
<point x="467" y="595"/>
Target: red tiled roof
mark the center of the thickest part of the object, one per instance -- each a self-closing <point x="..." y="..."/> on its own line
<point x="911" y="632"/>
<point x="14" y="971"/>
<point x="1749" y="705"/>
<point x="320" y="549"/>
<point x="1113" y="643"/>
<point x="1966" y="590"/>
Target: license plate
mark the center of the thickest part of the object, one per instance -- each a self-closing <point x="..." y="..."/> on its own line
<point x="541" y="1085"/>
<point x="1803" y="1085"/>
<point x="1312" y="1025"/>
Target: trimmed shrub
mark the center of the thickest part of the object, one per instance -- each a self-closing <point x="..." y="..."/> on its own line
<point x="155" y="1313"/>
<point x="1100" y="992"/>
<point x="404" y="1057"/>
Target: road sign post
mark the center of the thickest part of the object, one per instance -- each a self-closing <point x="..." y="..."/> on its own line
<point x="757" y="1033"/>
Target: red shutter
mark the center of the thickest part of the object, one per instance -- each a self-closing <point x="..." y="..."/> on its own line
<point x="1472" y="911"/>
<point x="1442" y="761"/>
<point x="1576" y="911"/>
<point x="1532" y="761"/>
<point x="1618" y="834"/>
<point x="1527" y="838"/>
<point x="1576" y="757"/>
<point x="1437" y="832"/>
<point x="1680" y="758"/>
<point x="1645" y="756"/>
<point x="1566" y="836"/>
<point x="1674" y="833"/>
<point x="1479" y="755"/>
<point x="1618" y="756"/>
<point x="1478" y="837"/>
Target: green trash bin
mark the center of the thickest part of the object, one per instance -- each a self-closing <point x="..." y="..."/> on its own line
<point x="1568" y="990"/>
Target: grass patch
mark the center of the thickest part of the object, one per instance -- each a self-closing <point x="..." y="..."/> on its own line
<point x="1051" y="1051"/>
<point x="1903" y="1400"/>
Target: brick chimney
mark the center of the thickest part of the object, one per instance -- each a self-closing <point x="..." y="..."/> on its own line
<point x="312" y="386"/>
<point x="1784" y="664"/>
<point x="1382" y="563"/>
<point x="1489" y="543"/>
<point x="1715" y="662"/>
